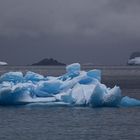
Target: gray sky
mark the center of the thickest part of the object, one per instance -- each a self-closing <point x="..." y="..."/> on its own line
<point x="97" y="31"/>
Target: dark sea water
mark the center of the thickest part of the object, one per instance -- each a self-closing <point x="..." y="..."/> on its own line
<point x="75" y="123"/>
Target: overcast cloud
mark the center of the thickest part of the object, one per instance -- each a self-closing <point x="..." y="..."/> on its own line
<point x="98" y="31"/>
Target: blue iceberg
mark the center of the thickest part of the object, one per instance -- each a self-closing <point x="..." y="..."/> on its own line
<point x="75" y="88"/>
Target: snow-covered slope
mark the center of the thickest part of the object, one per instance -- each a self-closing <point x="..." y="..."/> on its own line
<point x="134" y="61"/>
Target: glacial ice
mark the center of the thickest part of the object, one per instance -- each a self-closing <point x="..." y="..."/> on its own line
<point x="75" y="88"/>
<point x="31" y="76"/>
<point x="15" y="77"/>
<point x="129" y="102"/>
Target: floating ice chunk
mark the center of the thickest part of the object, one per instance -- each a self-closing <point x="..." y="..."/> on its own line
<point x="39" y="93"/>
<point x="129" y="102"/>
<point x="14" y="77"/>
<point x="31" y="76"/>
<point x="78" y="95"/>
<point x="70" y="83"/>
<point x="104" y="97"/>
<point x="95" y="74"/>
<point x="86" y="80"/>
<point x="88" y="90"/>
<point x="73" y="69"/>
<point x="6" y="84"/>
<point x="64" y="96"/>
<point x="21" y="94"/>
<point x="97" y="96"/>
<point x="81" y="94"/>
<point x="75" y="88"/>
<point x="5" y="96"/>
<point x="50" y="87"/>
<point x="113" y="97"/>
<point x="17" y="94"/>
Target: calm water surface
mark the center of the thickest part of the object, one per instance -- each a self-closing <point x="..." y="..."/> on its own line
<point x="62" y="123"/>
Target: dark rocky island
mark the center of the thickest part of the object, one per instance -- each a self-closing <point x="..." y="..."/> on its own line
<point x="48" y="62"/>
<point x="134" y="59"/>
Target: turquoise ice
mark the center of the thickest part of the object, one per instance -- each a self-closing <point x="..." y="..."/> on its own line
<point x="75" y="88"/>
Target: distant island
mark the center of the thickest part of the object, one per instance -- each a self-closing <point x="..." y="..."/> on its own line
<point x="48" y="62"/>
<point x="134" y="59"/>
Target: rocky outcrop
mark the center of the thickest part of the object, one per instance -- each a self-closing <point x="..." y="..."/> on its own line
<point x="48" y="62"/>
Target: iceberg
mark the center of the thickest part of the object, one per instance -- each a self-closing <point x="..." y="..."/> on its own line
<point x="3" y="63"/>
<point x="75" y="88"/>
<point x="15" y="77"/>
<point x="129" y="102"/>
<point x="31" y="76"/>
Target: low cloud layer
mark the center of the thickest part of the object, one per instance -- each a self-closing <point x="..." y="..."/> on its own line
<point x="75" y="30"/>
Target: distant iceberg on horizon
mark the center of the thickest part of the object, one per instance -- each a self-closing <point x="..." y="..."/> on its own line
<point x="75" y="88"/>
<point x="3" y="63"/>
<point x="134" y="59"/>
